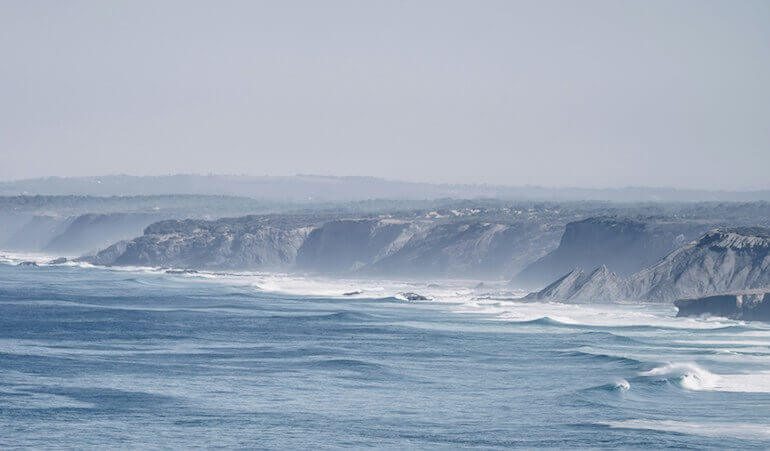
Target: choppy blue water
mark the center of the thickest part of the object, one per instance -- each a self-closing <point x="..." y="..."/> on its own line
<point x="98" y="358"/>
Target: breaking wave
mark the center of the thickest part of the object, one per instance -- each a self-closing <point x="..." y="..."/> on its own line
<point x="687" y="375"/>
<point x="691" y="376"/>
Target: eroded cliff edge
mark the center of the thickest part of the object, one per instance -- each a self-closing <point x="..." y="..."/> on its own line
<point x="720" y="261"/>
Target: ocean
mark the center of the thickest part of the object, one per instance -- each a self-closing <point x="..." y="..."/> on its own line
<point x="138" y="358"/>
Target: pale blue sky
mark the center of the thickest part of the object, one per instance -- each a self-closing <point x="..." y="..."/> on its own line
<point x="589" y="93"/>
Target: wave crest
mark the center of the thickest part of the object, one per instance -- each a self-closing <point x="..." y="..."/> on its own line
<point x="688" y="375"/>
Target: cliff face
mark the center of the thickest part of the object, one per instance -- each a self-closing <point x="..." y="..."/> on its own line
<point x="624" y="246"/>
<point x="107" y="257"/>
<point x="750" y="306"/>
<point x="467" y="249"/>
<point x="722" y="260"/>
<point x="10" y="224"/>
<point x="375" y="247"/>
<point x="224" y="244"/>
<point x="348" y="245"/>
<point x="36" y="232"/>
<point x="74" y="235"/>
<point x="90" y="232"/>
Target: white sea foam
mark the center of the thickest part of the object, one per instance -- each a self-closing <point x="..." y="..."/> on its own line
<point x="733" y="430"/>
<point x="604" y="315"/>
<point x="726" y="342"/>
<point x="494" y="298"/>
<point x="14" y="258"/>
<point x="689" y="375"/>
<point x="694" y="377"/>
<point x="623" y="385"/>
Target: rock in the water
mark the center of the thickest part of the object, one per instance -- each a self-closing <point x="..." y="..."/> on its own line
<point x="411" y="296"/>
<point x="353" y="293"/>
<point x="28" y="263"/>
<point x="58" y="261"/>
<point x="748" y="306"/>
<point x="107" y="256"/>
<point x="181" y="271"/>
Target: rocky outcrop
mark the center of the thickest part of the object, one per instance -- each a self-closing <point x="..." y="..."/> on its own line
<point x="623" y="245"/>
<point x="241" y="243"/>
<point x="722" y="260"/>
<point x="748" y="306"/>
<point x="599" y="286"/>
<point x="411" y="296"/>
<point x="107" y="256"/>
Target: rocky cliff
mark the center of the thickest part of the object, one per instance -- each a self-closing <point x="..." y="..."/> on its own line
<point x="91" y="232"/>
<point x="623" y="245"/>
<point x="372" y="246"/>
<point x="36" y="232"/>
<point x="722" y="260"/>
<point x="349" y="245"/>
<point x="599" y="286"/>
<point x="75" y="235"/>
<point x="223" y="244"/>
<point x="468" y="249"/>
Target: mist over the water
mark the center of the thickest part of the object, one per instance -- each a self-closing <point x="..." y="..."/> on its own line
<point x="592" y="94"/>
<point x="424" y="224"/>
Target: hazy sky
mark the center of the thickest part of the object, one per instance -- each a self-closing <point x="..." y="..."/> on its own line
<point x="588" y="93"/>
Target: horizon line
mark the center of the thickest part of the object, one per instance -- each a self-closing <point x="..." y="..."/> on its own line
<point x="389" y="180"/>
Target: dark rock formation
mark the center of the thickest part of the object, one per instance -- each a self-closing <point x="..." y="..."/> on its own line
<point x="181" y="271"/>
<point x="748" y="306"/>
<point x="107" y="256"/>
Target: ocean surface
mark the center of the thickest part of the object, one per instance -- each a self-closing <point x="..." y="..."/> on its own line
<point x="136" y="358"/>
